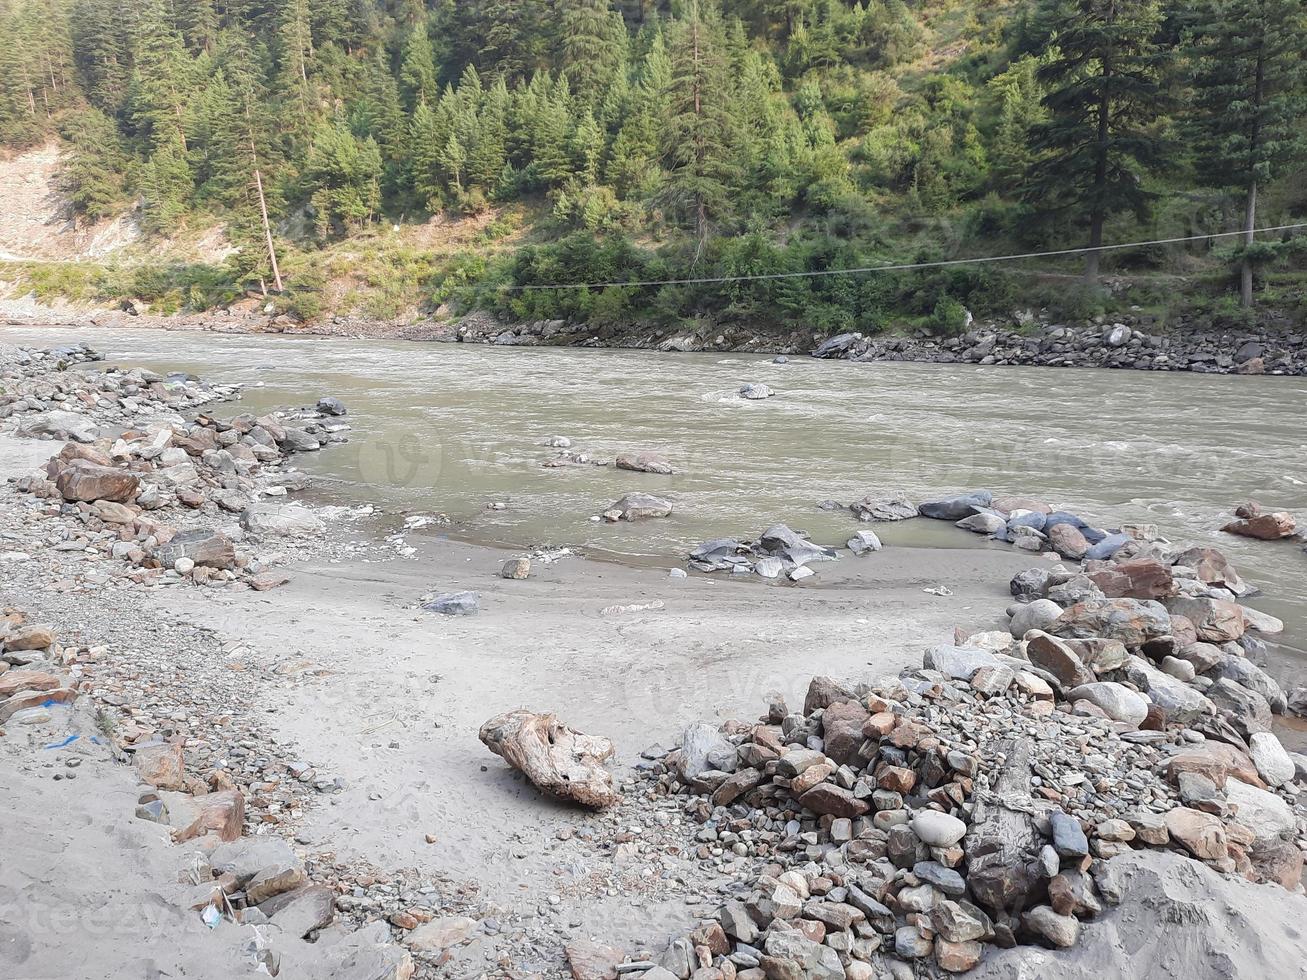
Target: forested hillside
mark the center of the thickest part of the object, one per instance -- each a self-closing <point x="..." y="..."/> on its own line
<point x="643" y="140"/>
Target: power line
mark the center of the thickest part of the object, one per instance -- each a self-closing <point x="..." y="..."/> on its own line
<point x="893" y="267"/>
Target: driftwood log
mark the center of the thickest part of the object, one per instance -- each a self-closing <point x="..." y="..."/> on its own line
<point x="566" y="763"/>
<point x="1002" y="844"/>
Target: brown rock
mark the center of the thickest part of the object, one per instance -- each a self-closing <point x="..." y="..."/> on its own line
<point x="842" y="730"/>
<point x="736" y="785"/>
<point x="1132" y="621"/>
<point x="218" y="813"/>
<point x="810" y="777"/>
<point x="274" y="881"/>
<point x="1279" y="861"/>
<point x="300" y="912"/>
<point x="957" y="957"/>
<point x="1201" y="834"/>
<point x="1067" y="541"/>
<point x="823" y="692"/>
<point x="161" y="765"/>
<point x="1057" y="658"/>
<point x="835" y="800"/>
<point x="1137" y="578"/>
<point x="1215" y="620"/>
<point x="879" y="725"/>
<point x="1216" y="761"/>
<point x="643" y="462"/>
<point x="1212" y="567"/>
<point x="1265" y="527"/>
<point x="88" y="481"/>
<point x="263" y="581"/>
<point x="29" y="638"/>
<point x="592" y="961"/>
<point x="896" y="779"/>
<point x="558" y="759"/>
<point x="13" y="681"/>
<point x="441" y="934"/>
<point x="34" y="699"/>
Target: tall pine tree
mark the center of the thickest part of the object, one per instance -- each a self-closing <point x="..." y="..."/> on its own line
<point x="1103" y="100"/>
<point x="1248" y="101"/>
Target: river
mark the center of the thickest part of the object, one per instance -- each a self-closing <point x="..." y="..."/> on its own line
<point x="452" y="428"/>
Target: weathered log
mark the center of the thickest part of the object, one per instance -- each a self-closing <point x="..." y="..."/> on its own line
<point x="1002" y="844"/>
<point x="566" y="763"/>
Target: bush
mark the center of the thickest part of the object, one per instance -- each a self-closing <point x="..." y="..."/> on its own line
<point x="949" y="318"/>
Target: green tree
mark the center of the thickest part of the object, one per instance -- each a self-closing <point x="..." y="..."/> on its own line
<point x="345" y="174"/>
<point x="417" y="70"/>
<point x="162" y="83"/>
<point x="1248" y="99"/>
<point x="593" y="48"/>
<point x="698" y="138"/>
<point x="1104" y="99"/>
<point x="92" y="174"/>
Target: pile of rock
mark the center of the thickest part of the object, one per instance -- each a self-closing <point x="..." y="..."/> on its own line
<point x="33" y="677"/>
<point x="974" y="801"/>
<point x="152" y="495"/>
<point x="1124" y="343"/>
<point x="1252" y="522"/>
<point x="778" y="552"/>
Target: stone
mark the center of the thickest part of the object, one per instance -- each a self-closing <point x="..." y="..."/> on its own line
<point x="1215" y="760"/>
<point x="556" y="758"/>
<point x="910" y="944"/>
<point x="1267" y="815"/>
<point x="1056" y="657"/>
<point x="1137" y="578"/>
<point x="24" y="700"/>
<point x="260" y="581"/>
<point x="1266" y="527"/>
<point x="221" y="813"/>
<point x="29" y="638"/>
<point x="823" y="692"/>
<point x="1069" y="838"/>
<point x="755" y="391"/>
<point x="958" y="662"/>
<point x="1247" y="710"/>
<point x="1247" y="674"/>
<point x="1216" y="620"/>
<point x="1278" y="861"/>
<point x="703" y="749"/>
<point x="160" y="765"/>
<point x="1067" y="541"/>
<point x="834" y="800"/>
<point x="1269" y="756"/>
<point x="643" y="462"/>
<point x="936" y="829"/>
<point x="945" y="879"/>
<point x="638" y="506"/>
<point x="286" y="876"/>
<point x="1037" y="615"/>
<point x="282" y="520"/>
<point x="864" y="542"/>
<point x="59" y="425"/>
<point x="441" y="934"/>
<point x="454" y="603"/>
<point x="957" y="957"/>
<point x="515" y="568"/>
<point x="14" y="681"/>
<point x="303" y="911"/>
<point x="985" y="522"/>
<point x="1059" y="930"/>
<point x="813" y="960"/>
<point x="842" y="730"/>
<point x="1182" y="703"/>
<point x="1201" y="834"/>
<point x="203" y="546"/>
<point x="1132" y="621"/>
<point x="1117" y="701"/>
<point x="592" y="961"/>
<point x="332" y="406"/>
<point x="112" y="513"/>
<point x="89" y="482"/>
<point x="246" y="857"/>
<point x="956" y="508"/>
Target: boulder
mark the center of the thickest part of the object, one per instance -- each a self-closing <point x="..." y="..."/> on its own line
<point x="303" y="911"/>
<point x="281" y="520"/>
<point x="755" y="391"/>
<point x="1272" y="761"/>
<point x="1117" y="701"/>
<point x="638" y="506"/>
<point x="936" y="829"/>
<point x="1051" y="654"/>
<point x="1067" y="541"/>
<point x="59" y="425"/>
<point x="643" y="462"/>
<point x="1265" y="527"/>
<point x="83" y="481"/>
<point x="556" y="758"/>
<point x="202" y="546"/>
<point x="956" y="508"/>
<point x="1132" y="621"/>
<point x="454" y="603"/>
<point x="1037" y="615"/>
<point x="1182" y="703"/>
<point x="1216" y="620"/>
<point x="1247" y="710"/>
<point x="842" y="730"/>
<point x="864" y="542"/>
<point x="1136" y="578"/>
<point x="1266" y="814"/>
<point x="1201" y="834"/>
<point x="332" y="406"/>
<point x="704" y="749"/>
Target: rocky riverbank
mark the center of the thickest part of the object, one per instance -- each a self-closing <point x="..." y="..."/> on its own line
<point x="329" y="725"/>
<point x="1128" y="341"/>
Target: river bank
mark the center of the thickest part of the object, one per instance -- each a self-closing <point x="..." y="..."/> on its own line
<point x="347" y="716"/>
<point x="1121" y="341"/>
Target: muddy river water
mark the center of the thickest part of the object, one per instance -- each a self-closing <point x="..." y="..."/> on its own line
<point x="452" y="428"/>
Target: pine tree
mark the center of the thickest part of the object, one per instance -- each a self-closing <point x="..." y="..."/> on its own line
<point x="1249" y="101"/>
<point x="593" y="47"/>
<point x="417" y="71"/>
<point x="92" y="174"/>
<point x="698" y="137"/>
<point x="99" y="37"/>
<point x="162" y="83"/>
<point x="1103" y="100"/>
<point x="345" y="173"/>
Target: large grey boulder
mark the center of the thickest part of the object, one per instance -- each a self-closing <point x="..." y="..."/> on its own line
<point x="282" y="520"/>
